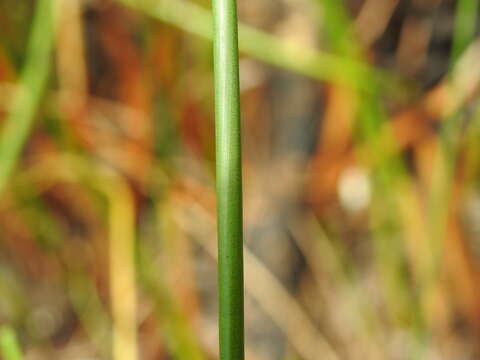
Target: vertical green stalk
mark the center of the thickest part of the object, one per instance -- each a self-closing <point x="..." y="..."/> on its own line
<point x="30" y="88"/>
<point x="229" y="180"/>
<point x="464" y="26"/>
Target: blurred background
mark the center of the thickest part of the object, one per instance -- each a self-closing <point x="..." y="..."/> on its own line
<point x="361" y="135"/>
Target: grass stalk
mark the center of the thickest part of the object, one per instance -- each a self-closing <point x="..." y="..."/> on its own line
<point x="265" y="47"/>
<point x="229" y="180"/>
<point x="123" y="291"/>
<point x="32" y="83"/>
<point x="466" y="15"/>
<point x="122" y="247"/>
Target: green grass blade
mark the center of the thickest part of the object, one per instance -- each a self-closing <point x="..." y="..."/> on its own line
<point x="263" y="46"/>
<point x="9" y="344"/>
<point x="229" y="180"/>
<point x="31" y="85"/>
<point x="466" y="15"/>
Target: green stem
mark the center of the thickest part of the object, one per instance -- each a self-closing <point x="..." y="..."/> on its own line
<point x="464" y="26"/>
<point x="266" y="47"/>
<point x="32" y="83"/>
<point x="229" y="180"/>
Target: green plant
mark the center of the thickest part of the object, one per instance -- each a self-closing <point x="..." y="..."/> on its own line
<point x="466" y="16"/>
<point x="9" y="344"/>
<point x="265" y="47"/>
<point x="229" y="180"/>
<point x="30" y="89"/>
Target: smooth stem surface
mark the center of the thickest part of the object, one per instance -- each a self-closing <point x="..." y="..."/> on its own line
<point x="229" y="180"/>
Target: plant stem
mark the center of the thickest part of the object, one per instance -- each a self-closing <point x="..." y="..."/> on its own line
<point x="265" y="47"/>
<point x="31" y="86"/>
<point x="464" y="26"/>
<point x="229" y="180"/>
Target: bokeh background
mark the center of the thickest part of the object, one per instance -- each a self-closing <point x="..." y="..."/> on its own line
<point x="361" y="143"/>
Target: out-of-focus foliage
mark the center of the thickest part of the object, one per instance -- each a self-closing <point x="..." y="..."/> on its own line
<point x="361" y="167"/>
